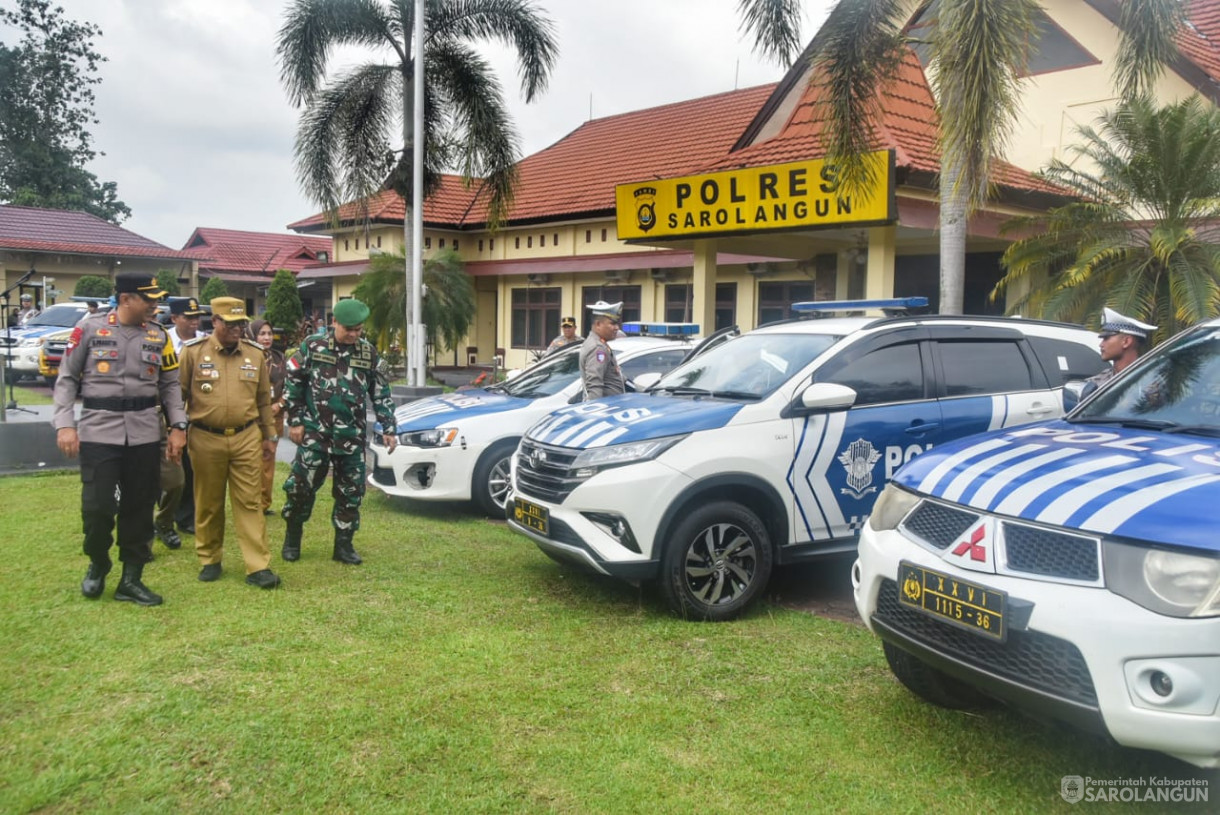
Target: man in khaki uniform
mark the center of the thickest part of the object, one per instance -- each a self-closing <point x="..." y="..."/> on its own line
<point x="228" y="399"/>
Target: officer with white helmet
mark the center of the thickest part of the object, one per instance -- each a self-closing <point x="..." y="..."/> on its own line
<point x="599" y="369"/>
<point x="1122" y="340"/>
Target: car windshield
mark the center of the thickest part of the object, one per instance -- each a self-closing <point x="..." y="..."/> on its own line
<point x="63" y="317"/>
<point x="749" y="367"/>
<point x="546" y="378"/>
<point x="1177" y="390"/>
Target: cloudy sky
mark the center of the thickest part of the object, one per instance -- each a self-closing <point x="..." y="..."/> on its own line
<point x="197" y="131"/>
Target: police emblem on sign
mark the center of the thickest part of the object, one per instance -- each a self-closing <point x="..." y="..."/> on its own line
<point x="645" y="207"/>
<point x="858" y="459"/>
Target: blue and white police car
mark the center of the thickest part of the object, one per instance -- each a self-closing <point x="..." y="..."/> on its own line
<point x="1070" y="567"/>
<point x="457" y="447"/>
<point x="773" y="446"/>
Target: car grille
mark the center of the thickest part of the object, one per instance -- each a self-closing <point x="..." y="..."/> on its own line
<point x="544" y="471"/>
<point x="1039" y="551"/>
<point x="1028" y="658"/>
<point x="938" y="524"/>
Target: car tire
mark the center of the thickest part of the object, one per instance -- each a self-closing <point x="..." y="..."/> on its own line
<point x="930" y="684"/>
<point x="717" y="561"/>
<point x="489" y="484"/>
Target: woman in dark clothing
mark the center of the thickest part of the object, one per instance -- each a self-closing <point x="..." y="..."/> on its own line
<point x="261" y="332"/>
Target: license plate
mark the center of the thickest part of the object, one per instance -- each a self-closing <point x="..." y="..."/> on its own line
<point x="958" y="602"/>
<point x="532" y="516"/>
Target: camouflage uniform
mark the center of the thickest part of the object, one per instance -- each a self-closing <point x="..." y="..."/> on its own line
<point x="325" y="390"/>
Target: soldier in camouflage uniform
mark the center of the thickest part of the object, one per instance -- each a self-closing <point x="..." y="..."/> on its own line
<point x="326" y="387"/>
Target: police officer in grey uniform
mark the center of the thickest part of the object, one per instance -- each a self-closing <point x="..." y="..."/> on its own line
<point x="1121" y="340"/>
<point x="599" y="369"/>
<point x="120" y="364"/>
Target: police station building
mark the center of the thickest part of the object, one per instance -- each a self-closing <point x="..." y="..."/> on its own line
<point x="721" y="210"/>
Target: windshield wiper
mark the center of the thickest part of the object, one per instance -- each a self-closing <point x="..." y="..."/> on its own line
<point x="1198" y="430"/>
<point x="680" y="390"/>
<point x="1127" y="421"/>
<point x="736" y="395"/>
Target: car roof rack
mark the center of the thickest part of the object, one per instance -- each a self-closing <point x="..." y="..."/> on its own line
<point x="890" y="307"/>
<point x="679" y="330"/>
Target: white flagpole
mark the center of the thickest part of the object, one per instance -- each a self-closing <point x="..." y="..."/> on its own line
<point x="415" y="330"/>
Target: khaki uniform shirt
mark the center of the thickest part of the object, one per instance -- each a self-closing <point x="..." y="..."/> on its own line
<point x="116" y="369"/>
<point x="226" y="388"/>
<point x="599" y="369"/>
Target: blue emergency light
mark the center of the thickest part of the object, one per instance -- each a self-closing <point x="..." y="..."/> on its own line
<point x="899" y="304"/>
<point x="660" y="329"/>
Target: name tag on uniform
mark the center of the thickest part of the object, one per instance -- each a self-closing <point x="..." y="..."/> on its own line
<point x="249" y="374"/>
<point x="330" y="359"/>
<point x="206" y="366"/>
<point x="361" y="363"/>
<point x="96" y="343"/>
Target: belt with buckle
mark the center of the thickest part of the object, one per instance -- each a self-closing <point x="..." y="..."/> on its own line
<point x="223" y="431"/>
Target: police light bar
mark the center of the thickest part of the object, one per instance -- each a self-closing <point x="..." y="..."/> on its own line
<point x="660" y="329"/>
<point x="860" y="305"/>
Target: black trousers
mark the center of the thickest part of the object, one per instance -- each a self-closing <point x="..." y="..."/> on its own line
<point x="123" y="482"/>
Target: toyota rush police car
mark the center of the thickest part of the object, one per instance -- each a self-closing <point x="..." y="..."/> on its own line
<point x="1069" y="567"/>
<point x="773" y="446"/>
<point x="457" y="447"/>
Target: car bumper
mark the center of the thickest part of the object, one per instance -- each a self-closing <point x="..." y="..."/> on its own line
<point x="1079" y="654"/>
<point x="424" y="473"/>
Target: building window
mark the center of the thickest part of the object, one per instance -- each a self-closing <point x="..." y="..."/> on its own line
<point x="535" y="317"/>
<point x="588" y="236"/>
<point x="517" y="243"/>
<point x="480" y="246"/>
<point x="555" y="239"/>
<point x="529" y="242"/>
<point x="775" y="299"/>
<point x="603" y="236"/>
<point x="491" y="245"/>
<point x="378" y="241"/>
<point x="455" y="244"/>
<point x="345" y="246"/>
<point x="542" y="240"/>
<point x="679" y="304"/>
<point x="442" y="243"/>
<point x="628" y="295"/>
<point x="427" y="243"/>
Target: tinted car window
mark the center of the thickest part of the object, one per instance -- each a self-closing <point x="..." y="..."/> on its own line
<point x="975" y="368"/>
<point x="890" y="374"/>
<point x="751" y="366"/>
<point x="1063" y="360"/>
<point x="546" y="378"/>
<point x="65" y="316"/>
<point x="659" y="362"/>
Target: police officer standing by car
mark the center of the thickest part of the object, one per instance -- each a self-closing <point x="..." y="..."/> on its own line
<point x="599" y="370"/>
<point x="1122" y="340"/>
<point x="227" y="391"/>
<point x="567" y="335"/>
<point x="329" y="381"/>
<point x="123" y="365"/>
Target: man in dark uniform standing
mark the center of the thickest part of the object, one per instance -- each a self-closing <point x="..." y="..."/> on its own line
<point x="328" y="384"/>
<point x="227" y="389"/>
<point x="599" y="369"/>
<point x="120" y="363"/>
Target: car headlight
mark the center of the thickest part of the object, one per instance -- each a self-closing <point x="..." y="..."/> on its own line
<point x="892" y="506"/>
<point x="436" y="437"/>
<point x="588" y="462"/>
<point x="1172" y="583"/>
<point x="30" y="342"/>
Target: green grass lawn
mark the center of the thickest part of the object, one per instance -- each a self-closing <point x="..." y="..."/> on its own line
<point x="461" y="670"/>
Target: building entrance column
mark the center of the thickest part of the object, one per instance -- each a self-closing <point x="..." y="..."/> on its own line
<point x="879" y="275"/>
<point x="703" y="305"/>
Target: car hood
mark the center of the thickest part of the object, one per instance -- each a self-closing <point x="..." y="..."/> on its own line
<point x="31" y="332"/>
<point x="425" y="414"/>
<point x="1139" y="484"/>
<point x="630" y="417"/>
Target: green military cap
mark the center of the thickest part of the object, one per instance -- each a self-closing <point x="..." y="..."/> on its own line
<point x="350" y="313"/>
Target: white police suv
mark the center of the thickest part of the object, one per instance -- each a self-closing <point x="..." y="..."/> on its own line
<point x="457" y="447"/>
<point x="773" y="446"/>
<point x="1071" y="567"/>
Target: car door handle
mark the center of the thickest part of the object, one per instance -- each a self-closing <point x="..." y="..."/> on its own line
<point x="926" y="427"/>
<point x="1039" y="410"/>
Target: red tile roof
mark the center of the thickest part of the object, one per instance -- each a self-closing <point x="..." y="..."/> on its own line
<point x="233" y="251"/>
<point x="577" y="175"/>
<point x="74" y="233"/>
<point x="1201" y="43"/>
<point x="908" y="126"/>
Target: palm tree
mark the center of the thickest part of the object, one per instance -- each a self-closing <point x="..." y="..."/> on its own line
<point x="978" y="50"/>
<point x="1144" y="236"/>
<point x="344" y="146"/>
<point x="448" y="308"/>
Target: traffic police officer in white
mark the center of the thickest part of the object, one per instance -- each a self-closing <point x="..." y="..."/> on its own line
<point x="120" y="363"/>
<point x="1121" y="341"/>
<point x="599" y="369"/>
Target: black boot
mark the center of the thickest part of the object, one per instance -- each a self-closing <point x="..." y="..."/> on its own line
<point x="292" y="541"/>
<point x="344" y="553"/>
<point x="132" y="590"/>
<point x="95" y="580"/>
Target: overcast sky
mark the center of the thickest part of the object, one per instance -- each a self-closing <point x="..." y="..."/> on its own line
<point x="197" y="130"/>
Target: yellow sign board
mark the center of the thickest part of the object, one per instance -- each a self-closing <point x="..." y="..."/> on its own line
<point x="799" y="195"/>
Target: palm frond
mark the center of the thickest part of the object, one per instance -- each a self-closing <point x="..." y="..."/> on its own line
<point x="519" y="24"/>
<point x="312" y="29"/>
<point x="775" y="26"/>
<point x="1148" y="30"/>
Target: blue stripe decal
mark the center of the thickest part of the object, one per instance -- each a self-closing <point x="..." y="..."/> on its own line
<point x="792" y="487"/>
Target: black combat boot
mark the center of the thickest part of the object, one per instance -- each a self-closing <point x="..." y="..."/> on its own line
<point x="95" y="580"/>
<point x="132" y="590"/>
<point x="344" y="553"/>
<point x="292" y="541"/>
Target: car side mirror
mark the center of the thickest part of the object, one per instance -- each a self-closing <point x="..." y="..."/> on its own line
<point x="1073" y="393"/>
<point x="645" y="381"/>
<point x="827" y="396"/>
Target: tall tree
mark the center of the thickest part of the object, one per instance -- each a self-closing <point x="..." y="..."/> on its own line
<point x="284" y="307"/>
<point x="215" y="287"/>
<point x="344" y="146"/>
<point x="46" y="111"/>
<point x="1142" y="237"/>
<point x="448" y="307"/>
<point x="978" y="50"/>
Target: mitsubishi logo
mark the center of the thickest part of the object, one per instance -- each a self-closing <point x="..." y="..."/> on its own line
<point x="974" y="546"/>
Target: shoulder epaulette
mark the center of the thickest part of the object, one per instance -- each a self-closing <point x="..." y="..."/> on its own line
<point x="196" y="341"/>
<point x="253" y="344"/>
